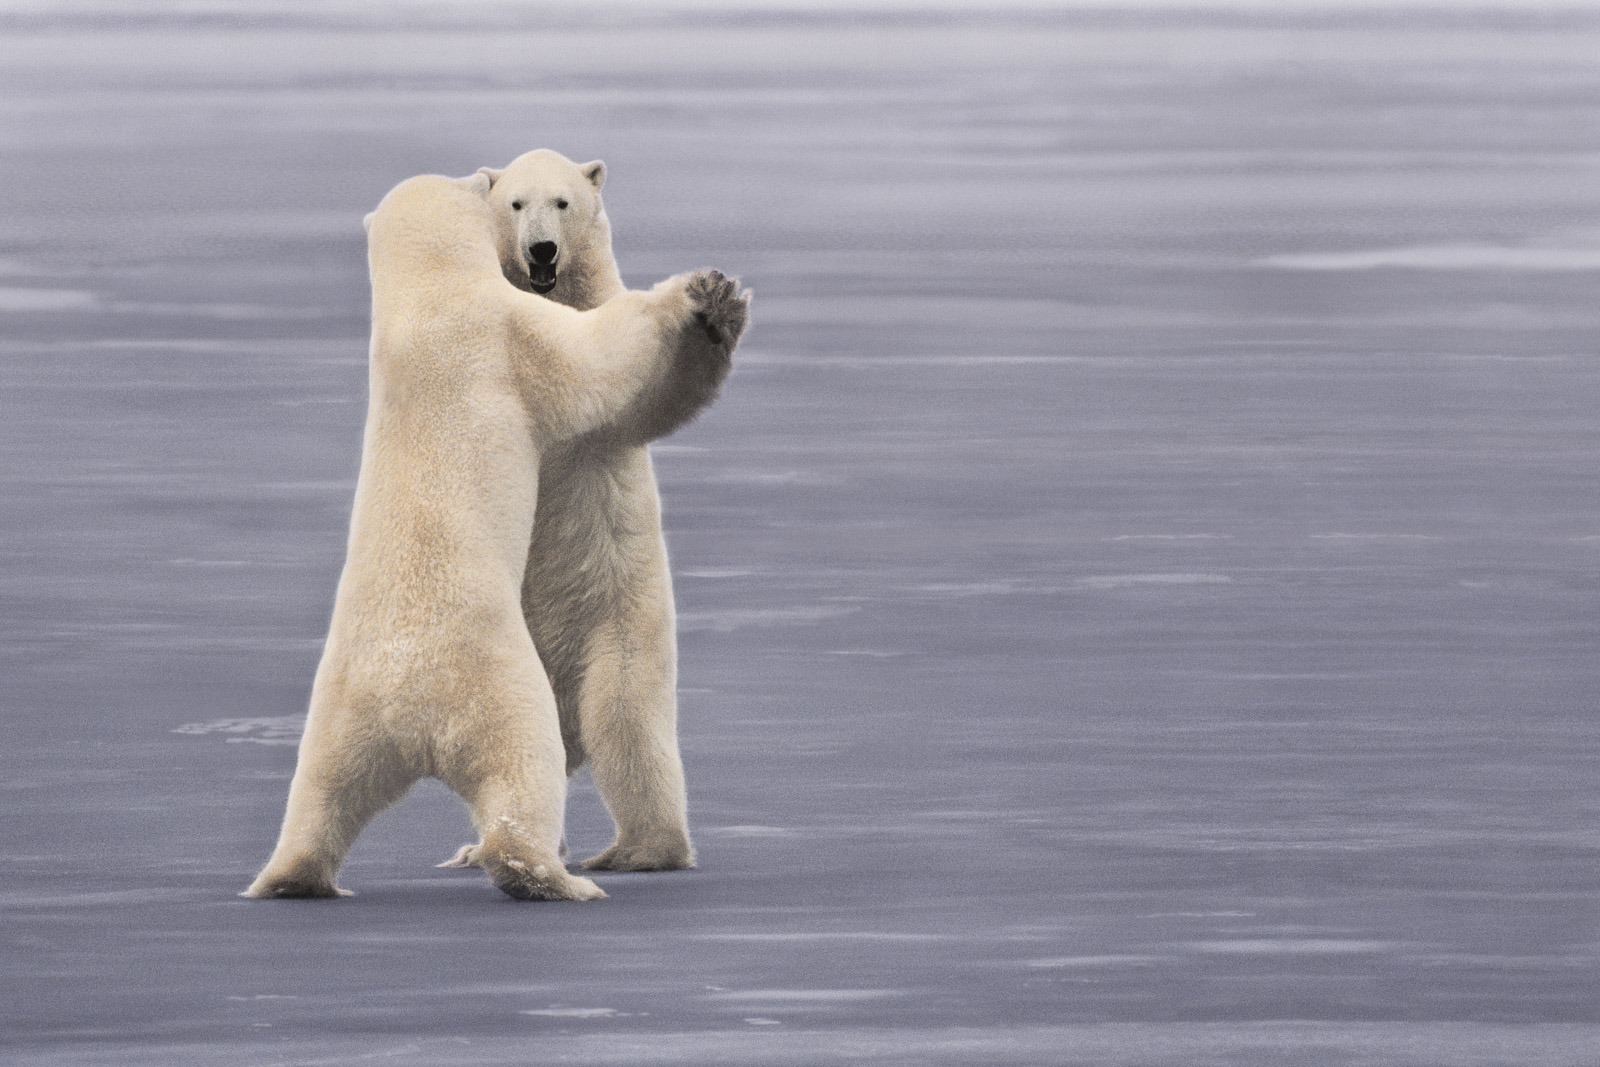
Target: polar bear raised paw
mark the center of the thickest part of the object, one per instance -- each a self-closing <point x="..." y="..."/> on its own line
<point x="714" y="315"/>
<point x="720" y="309"/>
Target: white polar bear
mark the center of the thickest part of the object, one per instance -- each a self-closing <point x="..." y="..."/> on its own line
<point x="429" y="669"/>
<point x="597" y="593"/>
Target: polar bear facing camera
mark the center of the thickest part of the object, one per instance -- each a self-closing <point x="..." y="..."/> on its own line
<point x="597" y="592"/>
<point x="551" y="228"/>
<point x="429" y="669"/>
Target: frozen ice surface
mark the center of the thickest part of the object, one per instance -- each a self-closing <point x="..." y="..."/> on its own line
<point x="1139" y="588"/>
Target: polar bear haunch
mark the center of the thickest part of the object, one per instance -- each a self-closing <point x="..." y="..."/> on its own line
<point x="429" y="669"/>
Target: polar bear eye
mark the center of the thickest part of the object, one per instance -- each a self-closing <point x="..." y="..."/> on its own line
<point x="562" y="204"/>
<point x="516" y="205"/>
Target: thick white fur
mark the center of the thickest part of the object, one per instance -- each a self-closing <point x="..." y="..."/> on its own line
<point x="429" y="668"/>
<point x="597" y="592"/>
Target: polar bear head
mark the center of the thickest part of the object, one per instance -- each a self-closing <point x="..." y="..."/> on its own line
<point x="548" y="216"/>
<point x="442" y="223"/>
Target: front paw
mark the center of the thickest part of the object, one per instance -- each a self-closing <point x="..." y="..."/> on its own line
<point x="718" y="307"/>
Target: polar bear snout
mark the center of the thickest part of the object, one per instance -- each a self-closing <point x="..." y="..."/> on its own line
<point x="541" y="261"/>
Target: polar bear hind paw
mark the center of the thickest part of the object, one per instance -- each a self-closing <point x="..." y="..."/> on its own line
<point x="295" y="889"/>
<point x="648" y="857"/>
<point x="524" y="881"/>
<point x="466" y="856"/>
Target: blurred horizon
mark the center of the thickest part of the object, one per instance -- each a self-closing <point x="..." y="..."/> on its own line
<point x="1301" y="12"/>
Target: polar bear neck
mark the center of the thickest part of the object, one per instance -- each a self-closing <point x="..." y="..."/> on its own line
<point x="426" y="235"/>
<point x="431" y="221"/>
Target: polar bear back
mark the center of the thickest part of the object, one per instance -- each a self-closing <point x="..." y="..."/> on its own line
<point x="447" y="483"/>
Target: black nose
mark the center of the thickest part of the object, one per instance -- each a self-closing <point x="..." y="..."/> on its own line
<point x="543" y="252"/>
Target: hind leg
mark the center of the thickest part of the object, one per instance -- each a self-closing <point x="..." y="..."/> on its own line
<point x="512" y="775"/>
<point x="337" y="789"/>
<point x="628" y="716"/>
<point x="519" y="851"/>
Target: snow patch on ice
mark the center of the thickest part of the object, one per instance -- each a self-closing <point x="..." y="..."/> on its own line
<point x="270" y="730"/>
<point x="828" y="935"/>
<point x="805" y="996"/>
<point x="1463" y="256"/>
<point x="1123" y="581"/>
<point x="1111" y="960"/>
<point x="225" y="312"/>
<point x="1172" y="537"/>
<point x="1291" y="946"/>
<point x="754" y="476"/>
<point x="958" y="589"/>
<point x="268" y="996"/>
<point x="1337" y="536"/>
<point x="14" y="298"/>
<point x="871" y="653"/>
<point x="737" y="618"/>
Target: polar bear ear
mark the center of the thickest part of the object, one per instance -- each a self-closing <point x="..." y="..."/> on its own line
<point x="366" y="223"/>
<point x="478" y="184"/>
<point x="595" y="171"/>
<point x="491" y="174"/>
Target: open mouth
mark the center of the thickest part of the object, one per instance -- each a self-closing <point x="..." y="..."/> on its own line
<point x="541" y="277"/>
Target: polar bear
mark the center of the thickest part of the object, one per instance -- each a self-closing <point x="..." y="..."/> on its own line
<point x="429" y="669"/>
<point x="597" y="592"/>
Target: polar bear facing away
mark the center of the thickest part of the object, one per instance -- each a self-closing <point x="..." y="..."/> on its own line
<point x="597" y="593"/>
<point x="429" y="669"/>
